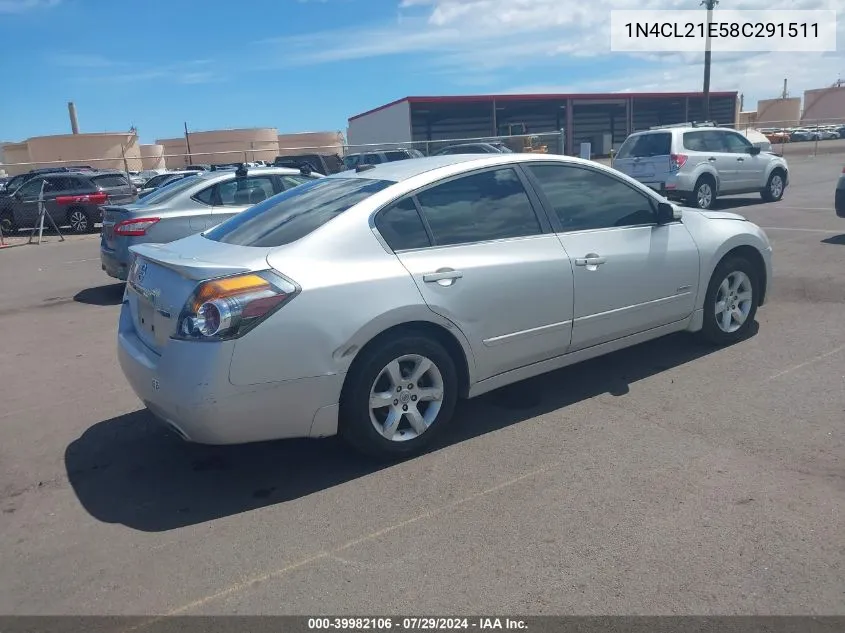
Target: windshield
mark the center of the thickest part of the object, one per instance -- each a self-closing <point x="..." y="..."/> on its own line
<point x="169" y="191"/>
<point x="646" y="145"/>
<point x="295" y="213"/>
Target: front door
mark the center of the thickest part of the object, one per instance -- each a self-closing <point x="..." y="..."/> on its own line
<point x="749" y="169"/>
<point x="493" y="270"/>
<point x="630" y="274"/>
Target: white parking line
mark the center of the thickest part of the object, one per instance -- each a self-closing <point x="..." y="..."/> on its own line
<point x="809" y="362"/>
<point x="791" y="228"/>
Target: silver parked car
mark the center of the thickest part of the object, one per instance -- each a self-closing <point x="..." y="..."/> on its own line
<point x="699" y="163"/>
<point x="188" y="205"/>
<point x="366" y="303"/>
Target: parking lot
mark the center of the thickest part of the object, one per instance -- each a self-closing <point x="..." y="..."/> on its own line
<point x="669" y="478"/>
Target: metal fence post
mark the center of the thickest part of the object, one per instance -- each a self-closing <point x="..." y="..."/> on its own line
<point x="562" y="141"/>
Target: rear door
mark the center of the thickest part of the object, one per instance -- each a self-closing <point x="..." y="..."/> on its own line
<point x="238" y="194"/>
<point x="494" y="268"/>
<point x="25" y="201"/>
<point x="646" y="157"/>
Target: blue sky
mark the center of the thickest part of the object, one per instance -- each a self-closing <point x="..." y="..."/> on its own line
<point x="307" y="65"/>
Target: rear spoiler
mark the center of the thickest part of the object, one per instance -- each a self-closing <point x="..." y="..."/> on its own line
<point x="186" y="266"/>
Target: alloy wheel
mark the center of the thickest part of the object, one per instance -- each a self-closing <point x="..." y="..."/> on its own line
<point x="78" y="221"/>
<point x="733" y="301"/>
<point x="406" y="397"/>
<point x="704" y="195"/>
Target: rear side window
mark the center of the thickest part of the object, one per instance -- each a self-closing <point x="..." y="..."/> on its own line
<point x="702" y="141"/>
<point x="295" y="213"/>
<point x="110" y="181"/>
<point x="646" y="145"/>
<point x="294" y="181"/>
<point x="401" y="226"/>
<point x="492" y="205"/>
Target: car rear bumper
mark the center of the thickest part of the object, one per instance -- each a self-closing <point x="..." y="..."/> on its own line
<point x="188" y="388"/>
<point x="113" y="266"/>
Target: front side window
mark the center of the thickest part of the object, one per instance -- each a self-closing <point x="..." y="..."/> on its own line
<point x="32" y="189"/>
<point x="735" y="143"/>
<point x="491" y="205"/>
<point x="290" y="182"/>
<point x="295" y="213"/>
<point x="401" y="226"/>
<point x="586" y="199"/>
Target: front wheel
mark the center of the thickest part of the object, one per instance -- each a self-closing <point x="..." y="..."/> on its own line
<point x="775" y="185"/>
<point x="731" y="301"/>
<point x="398" y="397"/>
<point x="7" y="222"/>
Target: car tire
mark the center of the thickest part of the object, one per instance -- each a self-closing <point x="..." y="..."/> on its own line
<point x="79" y="220"/>
<point x="775" y="186"/>
<point x="703" y="194"/>
<point x="7" y="222"/>
<point x="730" y="304"/>
<point x="391" y="431"/>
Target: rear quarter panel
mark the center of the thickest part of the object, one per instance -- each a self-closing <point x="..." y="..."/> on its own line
<point x="353" y="289"/>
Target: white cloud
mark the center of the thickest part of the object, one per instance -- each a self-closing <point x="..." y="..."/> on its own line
<point x="469" y="38"/>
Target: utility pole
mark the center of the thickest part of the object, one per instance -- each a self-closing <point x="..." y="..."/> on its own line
<point x="188" y="145"/>
<point x="710" y="4"/>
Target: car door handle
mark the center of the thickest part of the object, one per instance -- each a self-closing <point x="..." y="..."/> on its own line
<point x="712" y="159"/>
<point x="740" y="160"/>
<point x="593" y="260"/>
<point x="444" y="274"/>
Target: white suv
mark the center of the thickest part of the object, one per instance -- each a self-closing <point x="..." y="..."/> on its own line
<point x="697" y="163"/>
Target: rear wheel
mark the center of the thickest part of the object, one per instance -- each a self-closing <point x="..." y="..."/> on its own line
<point x="398" y="397"/>
<point x="704" y="194"/>
<point x="775" y="185"/>
<point x="79" y="220"/>
<point x="731" y="301"/>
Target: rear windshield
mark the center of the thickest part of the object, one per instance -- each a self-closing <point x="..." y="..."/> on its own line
<point x="170" y="190"/>
<point x="646" y="145"/>
<point x="110" y="181"/>
<point x="295" y="213"/>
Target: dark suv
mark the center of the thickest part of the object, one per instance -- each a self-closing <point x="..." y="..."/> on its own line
<point x="325" y="164"/>
<point x="74" y="199"/>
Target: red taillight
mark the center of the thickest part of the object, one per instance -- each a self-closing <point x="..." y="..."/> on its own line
<point x="134" y="228"/>
<point x="93" y="198"/>
<point x="678" y="160"/>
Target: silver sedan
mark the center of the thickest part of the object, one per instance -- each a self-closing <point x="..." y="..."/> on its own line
<point x="187" y="206"/>
<point x="366" y="303"/>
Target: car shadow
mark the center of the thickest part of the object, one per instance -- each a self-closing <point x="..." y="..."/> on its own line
<point x="133" y="471"/>
<point x="726" y="204"/>
<point x="109" y="295"/>
<point x="839" y="240"/>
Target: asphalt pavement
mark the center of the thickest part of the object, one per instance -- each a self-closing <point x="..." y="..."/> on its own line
<point x="668" y="478"/>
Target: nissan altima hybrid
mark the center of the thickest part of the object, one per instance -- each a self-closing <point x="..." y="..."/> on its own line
<point x="365" y="304"/>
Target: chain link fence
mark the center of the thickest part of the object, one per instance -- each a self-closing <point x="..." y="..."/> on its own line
<point x="787" y="138"/>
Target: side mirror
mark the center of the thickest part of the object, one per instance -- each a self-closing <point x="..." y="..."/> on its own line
<point x="667" y="213"/>
<point x="754" y="150"/>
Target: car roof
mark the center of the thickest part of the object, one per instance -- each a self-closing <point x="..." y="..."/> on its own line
<point x="405" y="169"/>
<point x="223" y="173"/>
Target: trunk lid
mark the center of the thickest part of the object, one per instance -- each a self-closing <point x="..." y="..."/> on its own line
<point x="646" y="157"/>
<point x="163" y="277"/>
